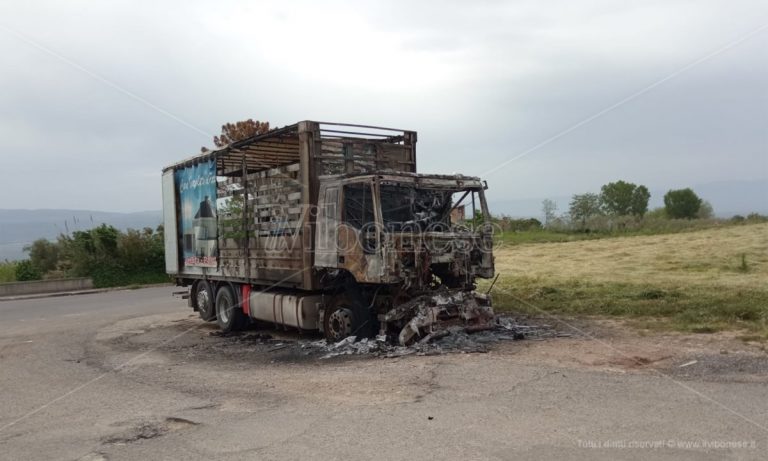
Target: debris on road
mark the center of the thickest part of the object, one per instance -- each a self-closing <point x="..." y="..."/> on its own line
<point x="426" y="310"/>
<point x="456" y="338"/>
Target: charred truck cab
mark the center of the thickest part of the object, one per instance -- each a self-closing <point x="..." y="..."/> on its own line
<point x="328" y="226"/>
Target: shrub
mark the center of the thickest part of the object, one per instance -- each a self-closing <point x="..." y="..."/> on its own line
<point x="682" y="203"/>
<point x="114" y="258"/>
<point x="7" y="271"/>
<point x="26" y="271"/>
<point x="756" y="218"/>
<point x="43" y="254"/>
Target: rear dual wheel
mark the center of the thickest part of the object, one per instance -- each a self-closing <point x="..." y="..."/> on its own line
<point x="229" y="314"/>
<point x="203" y="299"/>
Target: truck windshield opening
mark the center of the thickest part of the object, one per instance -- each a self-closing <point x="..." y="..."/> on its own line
<point x="407" y="208"/>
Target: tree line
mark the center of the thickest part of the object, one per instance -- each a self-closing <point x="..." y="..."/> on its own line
<point x="618" y="205"/>
<point x="623" y="198"/>
<point x="109" y="256"/>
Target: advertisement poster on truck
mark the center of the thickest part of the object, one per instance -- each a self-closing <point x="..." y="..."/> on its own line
<point x="199" y="232"/>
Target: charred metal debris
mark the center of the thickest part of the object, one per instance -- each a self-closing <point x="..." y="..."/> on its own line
<point x="455" y="338"/>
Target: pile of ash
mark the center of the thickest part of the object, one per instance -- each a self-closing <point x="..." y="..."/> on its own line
<point x="448" y="339"/>
<point x="452" y="339"/>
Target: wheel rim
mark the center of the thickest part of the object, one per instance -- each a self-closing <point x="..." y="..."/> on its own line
<point x="203" y="300"/>
<point x="340" y="324"/>
<point x="224" y="309"/>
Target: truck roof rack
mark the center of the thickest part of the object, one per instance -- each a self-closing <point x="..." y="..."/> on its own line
<point x="281" y="146"/>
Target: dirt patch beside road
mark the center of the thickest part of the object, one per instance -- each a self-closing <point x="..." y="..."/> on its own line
<point x="610" y="346"/>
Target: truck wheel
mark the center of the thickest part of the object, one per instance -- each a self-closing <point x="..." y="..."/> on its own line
<point x="229" y="315"/>
<point x="347" y="319"/>
<point x="337" y="323"/>
<point x="204" y="300"/>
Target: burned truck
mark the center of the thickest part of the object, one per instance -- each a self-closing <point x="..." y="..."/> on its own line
<point x="327" y="226"/>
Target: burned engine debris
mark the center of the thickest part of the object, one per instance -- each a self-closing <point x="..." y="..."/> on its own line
<point x="424" y="312"/>
<point x="451" y="339"/>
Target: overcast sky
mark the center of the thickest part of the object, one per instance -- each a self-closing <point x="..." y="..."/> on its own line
<point x="482" y="82"/>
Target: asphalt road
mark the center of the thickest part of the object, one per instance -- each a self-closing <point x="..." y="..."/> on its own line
<point x="134" y="375"/>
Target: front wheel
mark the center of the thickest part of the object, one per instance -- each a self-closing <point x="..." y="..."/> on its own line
<point x="348" y="318"/>
<point x="338" y="323"/>
<point x="229" y="315"/>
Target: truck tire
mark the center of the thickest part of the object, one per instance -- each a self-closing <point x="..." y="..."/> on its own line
<point x="203" y="299"/>
<point x="347" y="318"/>
<point x="229" y="315"/>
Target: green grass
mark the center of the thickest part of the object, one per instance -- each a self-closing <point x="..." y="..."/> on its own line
<point x="701" y="282"/>
<point x="545" y="236"/>
<point x="696" y="309"/>
<point x="7" y="272"/>
<point x="646" y="227"/>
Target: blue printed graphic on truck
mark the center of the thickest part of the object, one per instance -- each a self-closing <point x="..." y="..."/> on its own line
<point x="196" y="188"/>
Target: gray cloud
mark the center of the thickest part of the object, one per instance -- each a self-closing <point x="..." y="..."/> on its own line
<point x="481" y="82"/>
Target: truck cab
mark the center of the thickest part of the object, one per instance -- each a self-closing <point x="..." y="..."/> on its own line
<point x="399" y="236"/>
<point x="398" y="228"/>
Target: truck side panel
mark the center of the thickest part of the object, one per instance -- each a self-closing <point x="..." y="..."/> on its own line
<point x="260" y="226"/>
<point x="266" y="188"/>
<point x="169" y="224"/>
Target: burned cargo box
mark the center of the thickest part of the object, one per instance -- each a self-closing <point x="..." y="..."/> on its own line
<point x="330" y="224"/>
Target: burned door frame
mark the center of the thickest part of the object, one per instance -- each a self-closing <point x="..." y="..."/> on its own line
<point x="327" y="225"/>
<point x="366" y="264"/>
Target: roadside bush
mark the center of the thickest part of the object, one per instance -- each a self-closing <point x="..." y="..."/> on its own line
<point x="7" y="271"/>
<point x="114" y="258"/>
<point x="43" y="254"/>
<point x="26" y="271"/>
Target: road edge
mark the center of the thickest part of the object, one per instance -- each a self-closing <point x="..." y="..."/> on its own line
<point x="81" y="292"/>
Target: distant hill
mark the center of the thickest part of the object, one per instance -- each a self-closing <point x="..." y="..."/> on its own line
<point x="21" y="227"/>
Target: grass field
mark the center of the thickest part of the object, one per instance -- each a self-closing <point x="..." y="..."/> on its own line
<point x="701" y="281"/>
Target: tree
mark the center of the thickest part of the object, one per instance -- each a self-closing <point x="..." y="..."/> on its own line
<point x="640" y="198"/>
<point x="616" y="197"/>
<point x="549" y="208"/>
<point x="232" y="132"/>
<point x="622" y="198"/>
<point x="583" y="207"/>
<point x="682" y="203"/>
<point x="705" y="211"/>
<point x="43" y="255"/>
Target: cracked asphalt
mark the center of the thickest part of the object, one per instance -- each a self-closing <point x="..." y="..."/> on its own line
<point x="135" y="375"/>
